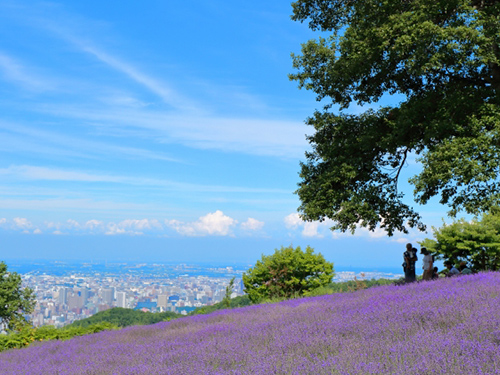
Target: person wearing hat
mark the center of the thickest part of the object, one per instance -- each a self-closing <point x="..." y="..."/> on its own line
<point x="428" y="265"/>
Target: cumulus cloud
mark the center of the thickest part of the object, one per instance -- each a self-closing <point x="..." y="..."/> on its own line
<point x="114" y="229"/>
<point x="133" y="226"/>
<point x="94" y="224"/>
<point x="73" y="223"/>
<point x="293" y="221"/>
<point x="212" y="224"/>
<point x="22" y="223"/>
<point x="309" y="228"/>
<point x="252" y="224"/>
<point x="141" y="224"/>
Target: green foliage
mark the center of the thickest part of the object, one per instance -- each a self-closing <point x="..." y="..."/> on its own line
<point x="15" y="301"/>
<point x="476" y="242"/>
<point x="239" y="301"/>
<point x="122" y="317"/>
<point x="287" y="273"/>
<point x="28" y="335"/>
<point x="227" y="296"/>
<point x="442" y="59"/>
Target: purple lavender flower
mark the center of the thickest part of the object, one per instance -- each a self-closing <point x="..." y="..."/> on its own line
<point x="444" y="326"/>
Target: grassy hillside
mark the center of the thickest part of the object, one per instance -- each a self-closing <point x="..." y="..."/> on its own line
<point x="449" y="326"/>
<point x="121" y="317"/>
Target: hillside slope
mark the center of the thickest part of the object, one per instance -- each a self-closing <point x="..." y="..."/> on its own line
<point x="445" y="326"/>
<point x="122" y="317"/>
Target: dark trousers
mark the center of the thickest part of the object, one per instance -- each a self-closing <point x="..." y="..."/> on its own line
<point x="410" y="275"/>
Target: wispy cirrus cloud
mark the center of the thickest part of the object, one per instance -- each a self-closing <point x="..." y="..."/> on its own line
<point x="11" y="69"/>
<point x="57" y="174"/>
<point x="255" y="136"/>
<point x="188" y="120"/>
<point x="20" y="137"/>
<point x="167" y="94"/>
<point x="81" y="32"/>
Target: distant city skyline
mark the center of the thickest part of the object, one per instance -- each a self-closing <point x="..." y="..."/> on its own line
<point x="161" y="132"/>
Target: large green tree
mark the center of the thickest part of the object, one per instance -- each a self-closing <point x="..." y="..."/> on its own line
<point x="15" y="301"/>
<point x="289" y="272"/>
<point x="476" y="242"/>
<point x="441" y="60"/>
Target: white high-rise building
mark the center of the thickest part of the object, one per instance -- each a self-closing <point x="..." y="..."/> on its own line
<point x="107" y="295"/>
<point x="162" y="301"/>
<point x="121" y="299"/>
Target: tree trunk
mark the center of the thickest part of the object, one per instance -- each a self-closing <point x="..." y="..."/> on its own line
<point x="495" y="70"/>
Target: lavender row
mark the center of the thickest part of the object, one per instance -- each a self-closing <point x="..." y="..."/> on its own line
<point x="443" y="326"/>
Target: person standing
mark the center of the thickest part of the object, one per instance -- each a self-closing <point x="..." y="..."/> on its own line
<point x="410" y="257"/>
<point x="428" y="264"/>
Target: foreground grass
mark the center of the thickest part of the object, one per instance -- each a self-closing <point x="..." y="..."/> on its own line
<point x="444" y="326"/>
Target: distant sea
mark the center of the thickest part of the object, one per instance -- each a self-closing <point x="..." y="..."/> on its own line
<point x="216" y="269"/>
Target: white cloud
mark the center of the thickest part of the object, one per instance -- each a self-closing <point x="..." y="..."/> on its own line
<point x="213" y="224"/>
<point x="363" y="232"/>
<point x="293" y="221"/>
<point x="30" y="172"/>
<point x="141" y="224"/>
<point x="252" y="224"/>
<point x="43" y="173"/>
<point x="12" y="70"/>
<point x="187" y="119"/>
<point x="168" y="95"/>
<point x="37" y="231"/>
<point x="113" y="229"/>
<point x="309" y="229"/>
<point x="22" y="223"/>
<point x="319" y="229"/>
<point x="73" y="223"/>
<point x="18" y="137"/>
<point x="401" y="240"/>
<point x="133" y="226"/>
<point x="248" y="135"/>
<point x="94" y="225"/>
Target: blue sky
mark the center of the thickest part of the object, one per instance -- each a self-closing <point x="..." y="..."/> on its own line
<point x="160" y="130"/>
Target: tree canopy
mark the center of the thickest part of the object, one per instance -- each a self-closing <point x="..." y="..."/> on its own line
<point x="15" y="301"/>
<point x="476" y="242"/>
<point x="123" y="317"/>
<point x="289" y="272"/>
<point x="441" y="59"/>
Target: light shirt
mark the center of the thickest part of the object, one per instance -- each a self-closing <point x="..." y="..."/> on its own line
<point x="427" y="262"/>
<point x="453" y="271"/>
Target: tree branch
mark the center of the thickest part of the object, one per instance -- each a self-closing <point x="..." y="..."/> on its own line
<point x="400" y="168"/>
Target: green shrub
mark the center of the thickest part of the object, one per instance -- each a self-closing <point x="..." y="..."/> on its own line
<point x="27" y="335"/>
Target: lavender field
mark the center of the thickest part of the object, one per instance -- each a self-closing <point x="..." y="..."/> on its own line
<point x="449" y="326"/>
